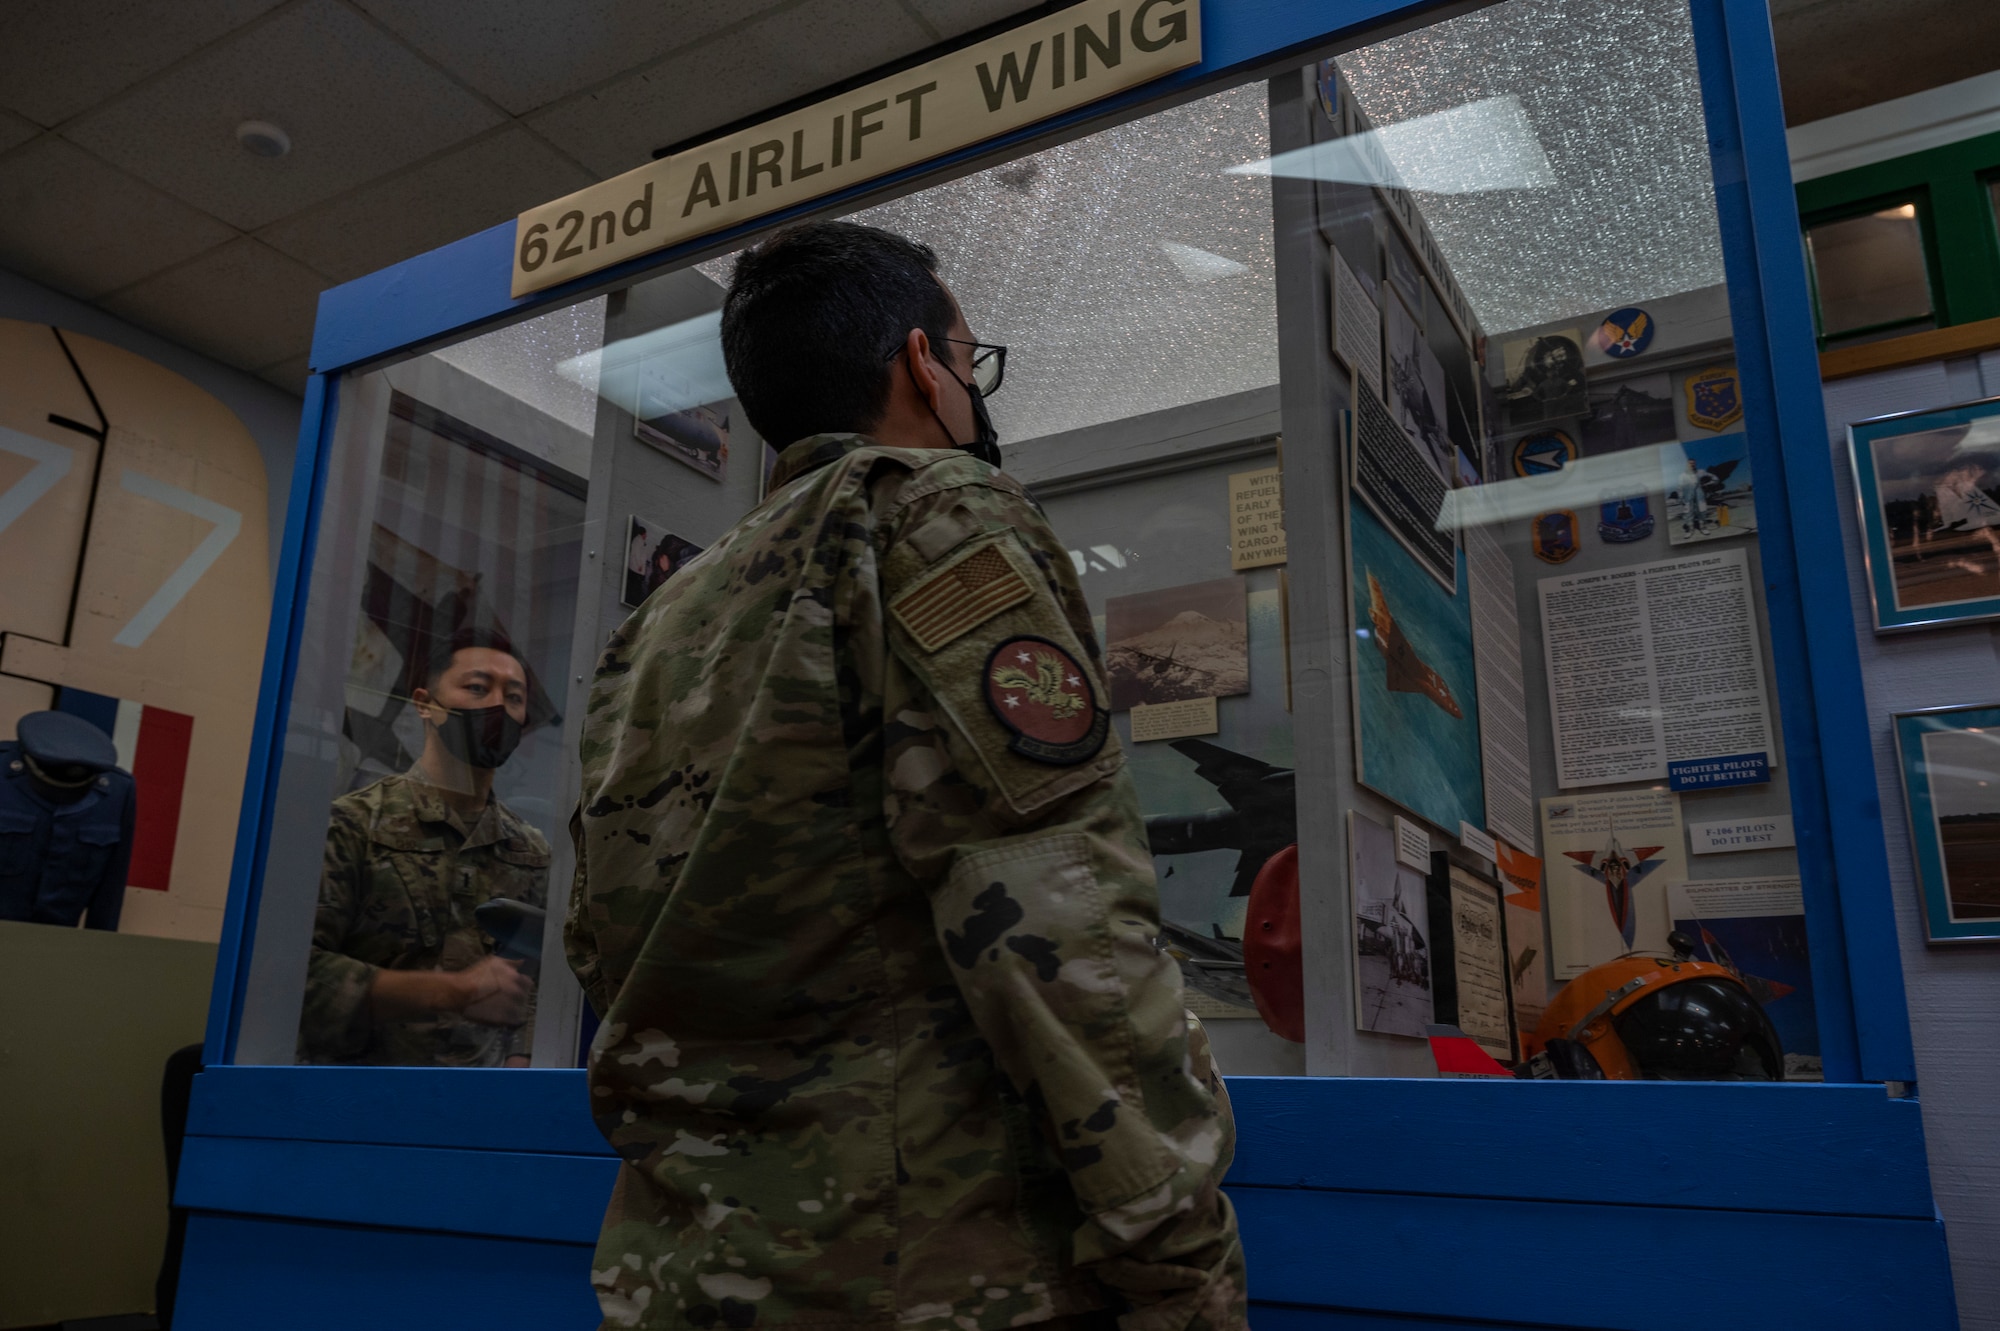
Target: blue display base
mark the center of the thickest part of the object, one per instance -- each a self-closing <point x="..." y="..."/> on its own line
<point x="392" y="1198"/>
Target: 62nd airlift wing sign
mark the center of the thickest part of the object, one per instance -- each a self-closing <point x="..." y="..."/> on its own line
<point x="1065" y="60"/>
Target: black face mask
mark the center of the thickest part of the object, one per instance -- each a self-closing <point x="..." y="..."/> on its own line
<point x="483" y="737"/>
<point x="985" y="443"/>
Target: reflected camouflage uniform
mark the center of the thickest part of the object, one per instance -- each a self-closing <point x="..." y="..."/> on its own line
<point x="402" y="875"/>
<point x="886" y="1038"/>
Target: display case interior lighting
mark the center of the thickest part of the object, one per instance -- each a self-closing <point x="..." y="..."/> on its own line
<point x="1610" y="91"/>
<point x="1481" y="146"/>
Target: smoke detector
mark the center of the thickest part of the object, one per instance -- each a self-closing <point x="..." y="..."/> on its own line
<point x="261" y="138"/>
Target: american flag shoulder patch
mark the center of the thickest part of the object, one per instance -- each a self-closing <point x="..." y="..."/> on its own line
<point x="954" y="600"/>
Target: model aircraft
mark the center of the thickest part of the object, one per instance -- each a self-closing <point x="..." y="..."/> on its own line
<point x="1408" y="672"/>
<point x="1261" y="820"/>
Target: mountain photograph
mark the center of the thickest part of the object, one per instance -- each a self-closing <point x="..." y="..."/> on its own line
<point x="1178" y="643"/>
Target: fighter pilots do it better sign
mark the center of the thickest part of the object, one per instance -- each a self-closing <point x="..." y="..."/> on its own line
<point x="1085" y="52"/>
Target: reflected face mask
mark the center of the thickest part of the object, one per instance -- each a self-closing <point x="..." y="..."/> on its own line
<point x="483" y="737"/>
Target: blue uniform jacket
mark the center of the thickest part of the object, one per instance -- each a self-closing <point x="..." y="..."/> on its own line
<point x="58" y="861"/>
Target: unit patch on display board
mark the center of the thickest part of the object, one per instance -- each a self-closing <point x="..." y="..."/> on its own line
<point x="1555" y="536"/>
<point x="1623" y="520"/>
<point x="1714" y="398"/>
<point x="1624" y="333"/>
<point x="1544" y="453"/>
<point x="1040" y="693"/>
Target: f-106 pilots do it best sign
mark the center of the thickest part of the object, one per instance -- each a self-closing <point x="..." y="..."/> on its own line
<point x="1065" y="60"/>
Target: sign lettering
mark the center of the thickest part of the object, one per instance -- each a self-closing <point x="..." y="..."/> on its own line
<point x="1076" y="56"/>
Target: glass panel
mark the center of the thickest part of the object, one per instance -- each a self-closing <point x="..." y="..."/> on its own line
<point x="1870" y="271"/>
<point x="428" y="750"/>
<point x="1387" y="416"/>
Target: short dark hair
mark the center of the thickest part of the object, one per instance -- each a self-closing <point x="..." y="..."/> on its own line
<point x="445" y="648"/>
<point x="811" y="319"/>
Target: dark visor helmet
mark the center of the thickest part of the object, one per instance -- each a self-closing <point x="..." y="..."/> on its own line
<point x="1650" y="1018"/>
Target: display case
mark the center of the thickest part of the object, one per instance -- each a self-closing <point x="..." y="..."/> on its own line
<point x="1438" y="448"/>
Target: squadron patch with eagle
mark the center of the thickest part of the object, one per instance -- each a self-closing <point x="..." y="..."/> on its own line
<point x="1043" y="698"/>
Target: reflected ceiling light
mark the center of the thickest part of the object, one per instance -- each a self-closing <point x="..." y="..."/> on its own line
<point x="1981" y="436"/>
<point x="1471" y="149"/>
<point x="1600" y="479"/>
<point x="1200" y="265"/>
<point x="261" y="138"/>
<point x="674" y="368"/>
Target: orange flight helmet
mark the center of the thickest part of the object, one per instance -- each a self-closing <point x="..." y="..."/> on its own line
<point x="1648" y="1017"/>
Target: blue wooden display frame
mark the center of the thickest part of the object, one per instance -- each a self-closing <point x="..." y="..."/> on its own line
<point x="300" y="1176"/>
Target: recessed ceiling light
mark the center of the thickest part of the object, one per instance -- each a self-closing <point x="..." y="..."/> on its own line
<point x="261" y="138"/>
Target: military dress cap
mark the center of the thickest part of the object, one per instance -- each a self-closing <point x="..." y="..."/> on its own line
<point x="58" y="740"/>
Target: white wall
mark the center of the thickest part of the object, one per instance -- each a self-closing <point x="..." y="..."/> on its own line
<point x="1954" y="992"/>
<point x="270" y="413"/>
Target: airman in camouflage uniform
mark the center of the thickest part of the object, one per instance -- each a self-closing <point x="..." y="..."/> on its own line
<point x="864" y="899"/>
<point x="405" y="867"/>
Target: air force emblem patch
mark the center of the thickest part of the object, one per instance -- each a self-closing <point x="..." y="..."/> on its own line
<point x="1043" y="697"/>
<point x="1625" y="333"/>
<point x="1714" y="398"/>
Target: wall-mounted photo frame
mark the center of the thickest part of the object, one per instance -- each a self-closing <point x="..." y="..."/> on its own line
<point x="1928" y="483"/>
<point x="1950" y="760"/>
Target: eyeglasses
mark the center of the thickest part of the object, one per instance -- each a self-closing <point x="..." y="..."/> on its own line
<point x="989" y="364"/>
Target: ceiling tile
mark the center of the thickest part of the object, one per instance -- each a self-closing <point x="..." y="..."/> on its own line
<point x="768" y="61"/>
<point x="355" y="102"/>
<point x="952" y="17"/>
<point x="515" y="52"/>
<point x="244" y="304"/>
<point x="290" y="375"/>
<point x="15" y="131"/>
<point x="466" y="190"/>
<point x="65" y="56"/>
<point x="68" y="220"/>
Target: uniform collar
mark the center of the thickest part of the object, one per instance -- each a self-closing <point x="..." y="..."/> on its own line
<point x="431" y="806"/>
<point x="15" y="769"/>
<point x="815" y="451"/>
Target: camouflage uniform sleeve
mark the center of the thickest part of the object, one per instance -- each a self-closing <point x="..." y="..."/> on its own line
<point x="579" y="937"/>
<point x="335" y="1021"/>
<point x="1021" y="821"/>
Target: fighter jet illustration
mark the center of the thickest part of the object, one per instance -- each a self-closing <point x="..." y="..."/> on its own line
<point x="1761" y="989"/>
<point x="1408" y="672"/>
<point x="1212" y="965"/>
<point x="1619" y="870"/>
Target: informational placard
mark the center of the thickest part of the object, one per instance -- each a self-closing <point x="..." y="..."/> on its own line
<point x="1413" y="843"/>
<point x="1503" y="692"/>
<point x="1471" y="969"/>
<point x="1173" y="720"/>
<point x="1257" y="518"/>
<point x="1478" y="842"/>
<point x="1402" y="488"/>
<point x="1357" y="325"/>
<point x="1733" y="834"/>
<point x="1655" y="673"/>
<point x="1608" y="858"/>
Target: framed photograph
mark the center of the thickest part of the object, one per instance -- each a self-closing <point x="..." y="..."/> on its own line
<point x="1469" y="967"/>
<point x="1929" y="487"/>
<point x="698" y="436"/>
<point x="1950" y="758"/>
<point x="652" y="555"/>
